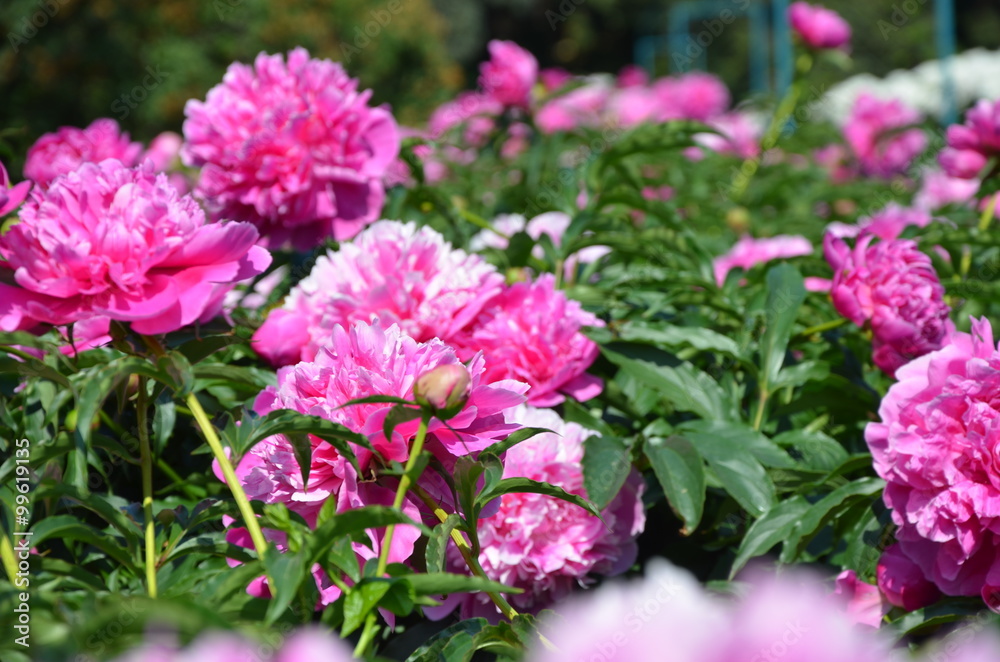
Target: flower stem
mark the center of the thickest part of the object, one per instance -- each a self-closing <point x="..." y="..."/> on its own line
<point x="405" y="481"/>
<point x="7" y="557"/>
<point x="820" y="328"/>
<point x="146" y="462"/>
<point x="987" y="217"/>
<point x="242" y="502"/>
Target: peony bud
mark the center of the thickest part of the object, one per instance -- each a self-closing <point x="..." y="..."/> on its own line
<point x="445" y="389"/>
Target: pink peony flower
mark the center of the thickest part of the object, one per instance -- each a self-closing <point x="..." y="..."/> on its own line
<point x="970" y="145"/>
<point x="531" y="333"/>
<point x="474" y="111"/>
<point x="892" y="286"/>
<point x="165" y="151"/>
<point x="790" y="618"/>
<point x="872" y="132"/>
<point x="902" y="582"/>
<point x="737" y="136"/>
<point x="581" y="107"/>
<point x="887" y="223"/>
<point x="935" y="446"/>
<point x="818" y="27"/>
<point x="107" y="240"/>
<point x="509" y="74"/>
<point x="692" y="96"/>
<point x="11" y="197"/>
<point x="551" y="223"/>
<point x="293" y="148"/>
<point x="749" y="252"/>
<point x="544" y="545"/>
<point x="394" y="272"/>
<point x="68" y="148"/>
<point x="632" y="75"/>
<point x="305" y="645"/>
<point x="865" y="604"/>
<point x="938" y="189"/>
<point x="629" y="106"/>
<point x="553" y="78"/>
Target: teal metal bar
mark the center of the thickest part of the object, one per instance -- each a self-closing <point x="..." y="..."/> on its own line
<point x="944" y="33"/>
<point x="784" y="56"/>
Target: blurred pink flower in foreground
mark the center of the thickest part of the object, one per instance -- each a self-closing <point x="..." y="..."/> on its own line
<point x="305" y="645"/>
<point x="68" y="148"/>
<point x="11" y="197"/>
<point x="122" y="243"/>
<point x="532" y="333"/>
<point x="935" y="445"/>
<point x="791" y="618"/>
<point x="293" y="148"/>
<point x="819" y="27"/>
<point x="972" y="144"/>
<point x="865" y="603"/>
<point x="393" y="272"/>
<point x="892" y="286"/>
<point x="749" y="252"/>
<point x="544" y="545"/>
<point x="509" y="74"/>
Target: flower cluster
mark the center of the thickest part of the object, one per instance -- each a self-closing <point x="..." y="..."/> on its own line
<point x="891" y="286"/>
<point x="972" y="144"/>
<point x="818" y="27"/>
<point x="64" y="151"/>
<point x="293" y="148"/>
<point x="874" y="135"/>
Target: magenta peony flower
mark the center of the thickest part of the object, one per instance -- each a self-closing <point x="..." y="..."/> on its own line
<point x="580" y="107"/>
<point x="531" y="333"/>
<point x="107" y="240"/>
<point x="902" y="582"/>
<point x="305" y="645"/>
<point x="872" y="132"/>
<point x="938" y="189"/>
<point x="970" y="145"/>
<point x="629" y="106"/>
<point x="544" y="545"/>
<point x="293" y="148"/>
<point x="632" y="75"/>
<point x="553" y="78"/>
<point x="475" y="111"/>
<point x="749" y="252"/>
<point x="509" y="75"/>
<point x="165" y="151"/>
<point x="818" y="27"/>
<point x="738" y="136"/>
<point x="11" y="197"/>
<point x="394" y="272"/>
<point x="887" y="223"/>
<point x="789" y="618"/>
<point x="68" y="148"/>
<point x="893" y="287"/>
<point x="935" y="446"/>
<point x="698" y="96"/>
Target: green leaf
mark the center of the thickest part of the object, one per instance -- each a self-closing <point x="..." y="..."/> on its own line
<point x="670" y="337"/>
<point x="32" y="367"/>
<point x="302" y="447"/>
<point x="741" y="435"/>
<point x="68" y="527"/>
<point x="520" y="485"/>
<point x="785" y="294"/>
<point x="175" y="365"/>
<point x="437" y="543"/>
<point x="687" y="388"/>
<point x="100" y="382"/>
<point x="396" y="416"/>
<point x="361" y="599"/>
<point x="285" y="573"/>
<point x="681" y="472"/>
<point x="453" y="644"/>
<point x="201" y="348"/>
<point x="354" y="521"/>
<point x="513" y="439"/>
<point x="285" y="421"/>
<point x="740" y="473"/>
<point x="378" y="399"/>
<point x="443" y="583"/>
<point x="821" y="512"/>
<point x="772" y="528"/>
<point x="606" y="465"/>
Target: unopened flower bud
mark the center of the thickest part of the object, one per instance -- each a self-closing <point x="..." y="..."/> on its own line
<point x="445" y="389"/>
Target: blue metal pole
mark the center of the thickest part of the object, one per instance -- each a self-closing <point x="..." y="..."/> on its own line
<point x="759" y="48"/>
<point x="645" y="54"/>
<point x="784" y="56"/>
<point x="944" y="28"/>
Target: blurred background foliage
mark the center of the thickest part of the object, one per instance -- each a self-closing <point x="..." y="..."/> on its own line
<point x="140" y="61"/>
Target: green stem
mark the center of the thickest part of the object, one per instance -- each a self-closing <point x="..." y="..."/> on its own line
<point x="242" y="502"/>
<point x="405" y="481"/>
<point x="7" y="556"/>
<point x="146" y="462"/>
<point x="987" y="217"/>
<point x="758" y="418"/>
<point x="820" y="328"/>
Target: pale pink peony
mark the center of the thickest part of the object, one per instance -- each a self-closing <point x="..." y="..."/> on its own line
<point x="667" y="615"/>
<point x="887" y="223"/>
<point x="737" y="136"/>
<point x="11" y="197"/>
<point x="118" y="242"/>
<point x="394" y="272"/>
<point x="935" y="445"/>
<point x="474" y="111"/>
<point x="865" y="603"/>
<point x="872" y="131"/>
<point x="68" y="148"/>
<point x="553" y="78"/>
<point x="749" y="252"/>
<point x="902" y="582"/>
<point x="939" y="189"/>
<point x="532" y="333"/>
<point x="692" y="96"/>
<point x="305" y="645"/>
<point x="819" y="27"/>
<point x="550" y="223"/>
<point x="580" y="107"/>
<point x="165" y="151"/>
<point x="972" y="144"/>
<point x="629" y="106"/>
<point x="293" y="148"/>
<point x="632" y="75"/>
<point x="892" y="286"/>
<point x="544" y="545"/>
<point x="509" y="74"/>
